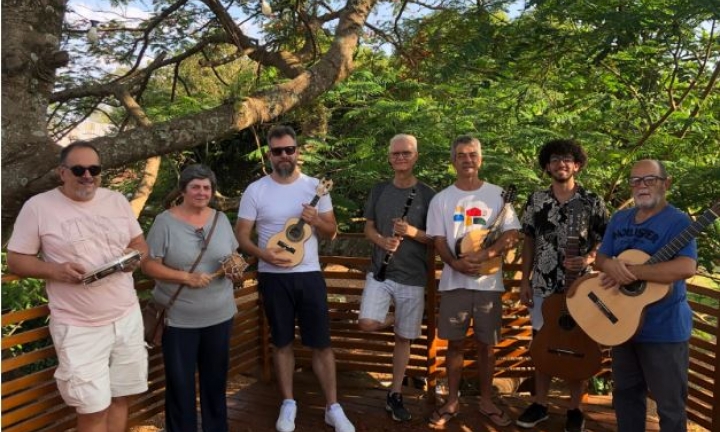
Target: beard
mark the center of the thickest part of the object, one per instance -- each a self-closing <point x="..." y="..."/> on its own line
<point x="285" y="169"/>
<point x="559" y="178"/>
<point x="83" y="191"/>
<point x="646" y="202"/>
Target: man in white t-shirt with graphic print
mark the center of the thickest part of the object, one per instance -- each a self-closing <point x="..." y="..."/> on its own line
<point x="467" y="295"/>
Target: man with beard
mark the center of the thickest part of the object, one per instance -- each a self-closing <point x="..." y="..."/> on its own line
<point x="292" y="291"/>
<point x="656" y="359"/>
<point x="467" y="295"/>
<point x="545" y="224"/>
<point x="97" y="330"/>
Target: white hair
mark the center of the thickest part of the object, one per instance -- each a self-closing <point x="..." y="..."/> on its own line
<point x="403" y="137"/>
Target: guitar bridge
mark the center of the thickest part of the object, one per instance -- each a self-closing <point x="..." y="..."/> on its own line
<point x="286" y="246"/>
<point x="565" y="352"/>
<point x="603" y="307"/>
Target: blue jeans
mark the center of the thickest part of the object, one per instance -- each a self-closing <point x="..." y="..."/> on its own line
<point x="661" y="369"/>
<point x="206" y="350"/>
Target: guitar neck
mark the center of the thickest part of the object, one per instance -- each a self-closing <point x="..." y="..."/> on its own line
<point x="315" y="200"/>
<point x="494" y="230"/>
<point x="301" y="223"/>
<point x="572" y="250"/>
<point x="669" y="250"/>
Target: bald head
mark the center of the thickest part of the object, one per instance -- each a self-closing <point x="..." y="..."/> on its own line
<point x="651" y="164"/>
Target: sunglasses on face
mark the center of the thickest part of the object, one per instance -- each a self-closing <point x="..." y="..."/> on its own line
<point x="277" y="151"/>
<point x="79" y="170"/>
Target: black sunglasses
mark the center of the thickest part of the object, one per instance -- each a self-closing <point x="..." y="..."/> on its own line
<point x="79" y="170"/>
<point x="289" y="150"/>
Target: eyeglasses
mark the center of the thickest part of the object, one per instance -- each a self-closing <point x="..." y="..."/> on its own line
<point x="277" y="151"/>
<point x="200" y="232"/>
<point x="79" y="170"/>
<point x="649" y="180"/>
<point x="401" y="154"/>
<point x="558" y="159"/>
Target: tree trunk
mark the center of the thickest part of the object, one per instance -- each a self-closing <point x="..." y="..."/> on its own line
<point x="30" y="55"/>
<point x="28" y="156"/>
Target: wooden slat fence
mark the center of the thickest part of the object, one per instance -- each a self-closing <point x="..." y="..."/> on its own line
<point x="30" y="401"/>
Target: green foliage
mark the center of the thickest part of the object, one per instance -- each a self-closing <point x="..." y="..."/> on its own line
<point x="629" y="81"/>
<point x="600" y="386"/>
<point x="21" y="294"/>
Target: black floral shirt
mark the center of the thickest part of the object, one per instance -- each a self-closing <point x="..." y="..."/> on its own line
<point x="546" y="220"/>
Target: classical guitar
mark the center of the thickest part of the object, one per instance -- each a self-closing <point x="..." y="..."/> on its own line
<point x="296" y="232"/>
<point x="561" y="348"/>
<point x="613" y="316"/>
<point x="477" y="240"/>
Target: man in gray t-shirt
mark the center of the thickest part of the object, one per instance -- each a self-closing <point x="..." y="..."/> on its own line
<point x="395" y="212"/>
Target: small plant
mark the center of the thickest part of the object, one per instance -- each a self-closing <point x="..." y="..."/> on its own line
<point x="600" y="385"/>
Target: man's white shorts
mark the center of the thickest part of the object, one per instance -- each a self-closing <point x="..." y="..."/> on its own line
<point x="409" y="304"/>
<point x="99" y="363"/>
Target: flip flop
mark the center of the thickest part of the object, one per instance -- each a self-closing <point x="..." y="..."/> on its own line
<point x="500" y="418"/>
<point x="440" y="419"/>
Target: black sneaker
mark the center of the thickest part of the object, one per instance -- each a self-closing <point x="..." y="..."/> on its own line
<point x="394" y="405"/>
<point x="533" y="415"/>
<point x="575" y="421"/>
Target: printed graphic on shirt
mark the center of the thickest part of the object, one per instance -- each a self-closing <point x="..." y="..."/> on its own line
<point x="95" y="240"/>
<point x="470" y="216"/>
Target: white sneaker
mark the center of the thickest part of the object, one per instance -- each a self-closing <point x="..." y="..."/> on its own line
<point x="336" y="418"/>
<point x="286" y="419"/>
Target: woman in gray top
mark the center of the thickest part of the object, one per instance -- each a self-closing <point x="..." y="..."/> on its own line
<point x="200" y="321"/>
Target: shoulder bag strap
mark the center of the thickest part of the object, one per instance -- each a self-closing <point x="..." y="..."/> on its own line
<point x="205" y="244"/>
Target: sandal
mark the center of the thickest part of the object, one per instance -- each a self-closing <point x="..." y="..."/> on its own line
<point x="440" y="419"/>
<point x="499" y="418"/>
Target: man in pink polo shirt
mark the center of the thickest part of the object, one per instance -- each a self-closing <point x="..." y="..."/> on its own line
<point x="97" y="329"/>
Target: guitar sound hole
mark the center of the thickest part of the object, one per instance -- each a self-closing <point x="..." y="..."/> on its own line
<point x="295" y="233"/>
<point x="566" y="322"/>
<point x="634" y="289"/>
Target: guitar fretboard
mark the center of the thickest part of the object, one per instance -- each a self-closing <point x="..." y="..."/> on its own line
<point x="669" y="250"/>
<point x="572" y="250"/>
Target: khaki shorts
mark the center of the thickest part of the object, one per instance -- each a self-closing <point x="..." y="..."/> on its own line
<point x="99" y="363"/>
<point x="459" y="306"/>
<point x="409" y="304"/>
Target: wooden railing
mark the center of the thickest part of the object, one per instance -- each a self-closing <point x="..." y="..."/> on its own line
<point x="30" y="401"/>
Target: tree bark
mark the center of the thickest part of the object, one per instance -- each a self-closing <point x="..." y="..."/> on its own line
<point x="29" y="156"/>
<point x="30" y="55"/>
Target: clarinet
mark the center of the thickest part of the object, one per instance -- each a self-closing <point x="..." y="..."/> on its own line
<point x="380" y="276"/>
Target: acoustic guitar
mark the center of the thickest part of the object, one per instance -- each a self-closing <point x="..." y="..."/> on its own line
<point x="477" y="240"/>
<point x="612" y="316"/>
<point x="296" y="232"/>
<point x="561" y="348"/>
